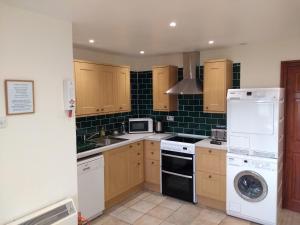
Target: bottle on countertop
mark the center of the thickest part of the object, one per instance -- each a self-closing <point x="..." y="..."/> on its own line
<point x="102" y="132"/>
<point x="122" y="130"/>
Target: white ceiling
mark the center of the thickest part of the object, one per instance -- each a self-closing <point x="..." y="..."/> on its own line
<point x="128" y="26"/>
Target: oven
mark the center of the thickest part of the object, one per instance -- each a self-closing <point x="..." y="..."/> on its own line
<point x="178" y="175"/>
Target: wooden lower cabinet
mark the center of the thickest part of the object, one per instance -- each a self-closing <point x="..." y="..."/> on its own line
<point x="211" y="185"/>
<point x="124" y="171"/>
<point x="152" y="165"/>
<point x="211" y="177"/>
<point x="152" y="171"/>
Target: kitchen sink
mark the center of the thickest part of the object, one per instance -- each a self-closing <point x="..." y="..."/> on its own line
<point x="107" y="140"/>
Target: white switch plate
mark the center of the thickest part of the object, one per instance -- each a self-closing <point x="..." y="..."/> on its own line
<point x="170" y="118"/>
<point x="2" y="122"/>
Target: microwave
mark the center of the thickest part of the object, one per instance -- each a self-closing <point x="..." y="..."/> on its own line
<point x="140" y="125"/>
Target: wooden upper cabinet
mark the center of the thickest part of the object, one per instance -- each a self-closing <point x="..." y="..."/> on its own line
<point x="122" y="89"/>
<point x="87" y="85"/>
<point x="164" y="78"/>
<point x="101" y="89"/>
<point x="107" y="89"/>
<point x="217" y="80"/>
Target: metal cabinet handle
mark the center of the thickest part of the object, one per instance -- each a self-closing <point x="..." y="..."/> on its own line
<point x="138" y="153"/>
<point x="138" y="143"/>
<point x="152" y="162"/>
<point x="152" y="142"/>
<point x="209" y="176"/>
<point x="102" y="109"/>
<point x="152" y="153"/>
<point x="130" y="146"/>
<point x="209" y="151"/>
<point x="97" y="110"/>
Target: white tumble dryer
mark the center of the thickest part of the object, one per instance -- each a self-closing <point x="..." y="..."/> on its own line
<point x="255" y="121"/>
<point x="254" y="188"/>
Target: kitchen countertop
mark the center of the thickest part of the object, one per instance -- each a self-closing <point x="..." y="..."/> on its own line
<point x="206" y="144"/>
<point x="131" y="139"/>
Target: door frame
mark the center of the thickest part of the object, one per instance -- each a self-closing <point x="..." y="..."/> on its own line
<point x="283" y="83"/>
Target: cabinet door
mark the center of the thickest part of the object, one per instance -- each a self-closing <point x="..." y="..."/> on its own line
<point x="163" y="79"/>
<point x="122" y="89"/>
<point x="152" y="171"/>
<point x="116" y="172"/>
<point x="136" y="171"/>
<point x="209" y="160"/>
<point x="87" y="86"/>
<point x="107" y="89"/>
<point x="211" y="185"/>
<point x="214" y="87"/>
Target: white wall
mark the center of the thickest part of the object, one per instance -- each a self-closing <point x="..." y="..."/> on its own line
<point x="260" y="62"/>
<point x="37" y="151"/>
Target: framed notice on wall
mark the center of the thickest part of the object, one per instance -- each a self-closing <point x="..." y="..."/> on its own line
<point x="19" y="96"/>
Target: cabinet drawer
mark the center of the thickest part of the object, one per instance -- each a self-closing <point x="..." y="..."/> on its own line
<point x="211" y="160"/>
<point x="152" y="150"/>
<point x="211" y="185"/>
<point x="136" y="152"/>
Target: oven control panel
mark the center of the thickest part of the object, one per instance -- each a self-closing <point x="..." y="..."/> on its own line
<point x="177" y="147"/>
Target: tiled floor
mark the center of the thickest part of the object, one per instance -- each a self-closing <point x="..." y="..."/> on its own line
<point x="148" y="208"/>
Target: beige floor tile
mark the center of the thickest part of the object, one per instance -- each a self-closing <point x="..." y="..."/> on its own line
<point x="171" y="203"/>
<point x="210" y="215"/>
<point x="148" y="220"/>
<point x="143" y="194"/>
<point x="117" y="210"/>
<point x="131" y="202"/>
<point x="234" y="221"/>
<point x="155" y="198"/>
<point x="160" y="212"/>
<point x="185" y="215"/>
<point x="167" y="223"/>
<point x="108" y="220"/>
<point x="143" y="206"/>
<point x="129" y="215"/>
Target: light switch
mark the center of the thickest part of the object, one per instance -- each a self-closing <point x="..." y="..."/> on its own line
<point x="2" y="122"/>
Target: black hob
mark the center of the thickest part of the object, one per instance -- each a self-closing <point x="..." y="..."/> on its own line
<point x="184" y="139"/>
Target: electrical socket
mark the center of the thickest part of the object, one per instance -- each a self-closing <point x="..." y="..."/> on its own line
<point x="170" y="118"/>
<point x="2" y="122"/>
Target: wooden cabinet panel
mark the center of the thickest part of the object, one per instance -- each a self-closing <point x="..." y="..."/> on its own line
<point x="211" y="185"/>
<point x="107" y="89"/>
<point x="122" y="89"/>
<point x="163" y="79"/>
<point x="136" y="164"/>
<point x="210" y="160"/>
<point x="152" y="150"/>
<point x="87" y="85"/>
<point x="217" y="80"/>
<point x="116" y="172"/>
<point x="152" y="171"/>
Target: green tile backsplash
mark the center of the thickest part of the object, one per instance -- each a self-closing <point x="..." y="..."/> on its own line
<point x="189" y="118"/>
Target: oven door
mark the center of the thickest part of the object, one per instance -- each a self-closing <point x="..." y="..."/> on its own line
<point x="175" y="162"/>
<point x="177" y="175"/>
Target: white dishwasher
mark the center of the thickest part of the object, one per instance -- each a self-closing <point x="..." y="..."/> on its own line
<point x="90" y="172"/>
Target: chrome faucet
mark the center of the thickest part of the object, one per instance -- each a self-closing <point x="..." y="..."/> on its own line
<point x="85" y="138"/>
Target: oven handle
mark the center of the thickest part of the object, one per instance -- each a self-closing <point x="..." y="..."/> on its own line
<point x="176" y="156"/>
<point x="177" y="174"/>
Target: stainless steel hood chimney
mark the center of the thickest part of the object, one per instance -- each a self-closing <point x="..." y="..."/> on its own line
<point x="190" y="85"/>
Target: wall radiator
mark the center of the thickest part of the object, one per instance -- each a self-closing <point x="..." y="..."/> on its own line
<point x="61" y="213"/>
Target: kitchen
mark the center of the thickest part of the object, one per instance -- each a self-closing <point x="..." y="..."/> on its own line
<point x="135" y="177"/>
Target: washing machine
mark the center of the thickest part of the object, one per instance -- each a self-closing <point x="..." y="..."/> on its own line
<point x="253" y="188"/>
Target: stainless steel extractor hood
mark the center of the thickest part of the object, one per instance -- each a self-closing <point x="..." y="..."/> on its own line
<point x="190" y="85"/>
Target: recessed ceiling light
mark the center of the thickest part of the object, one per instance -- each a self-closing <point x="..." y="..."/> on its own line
<point x="172" y="24"/>
<point x="211" y="42"/>
<point x="92" y="41"/>
<point x="142" y="52"/>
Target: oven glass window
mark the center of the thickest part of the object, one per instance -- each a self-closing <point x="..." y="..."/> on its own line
<point x="139" y="126"/>
<point x="182" y="163"/>
<point x="177" y="187"/>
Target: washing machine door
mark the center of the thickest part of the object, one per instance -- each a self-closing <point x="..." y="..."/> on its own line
<point x="250" y="186"/>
